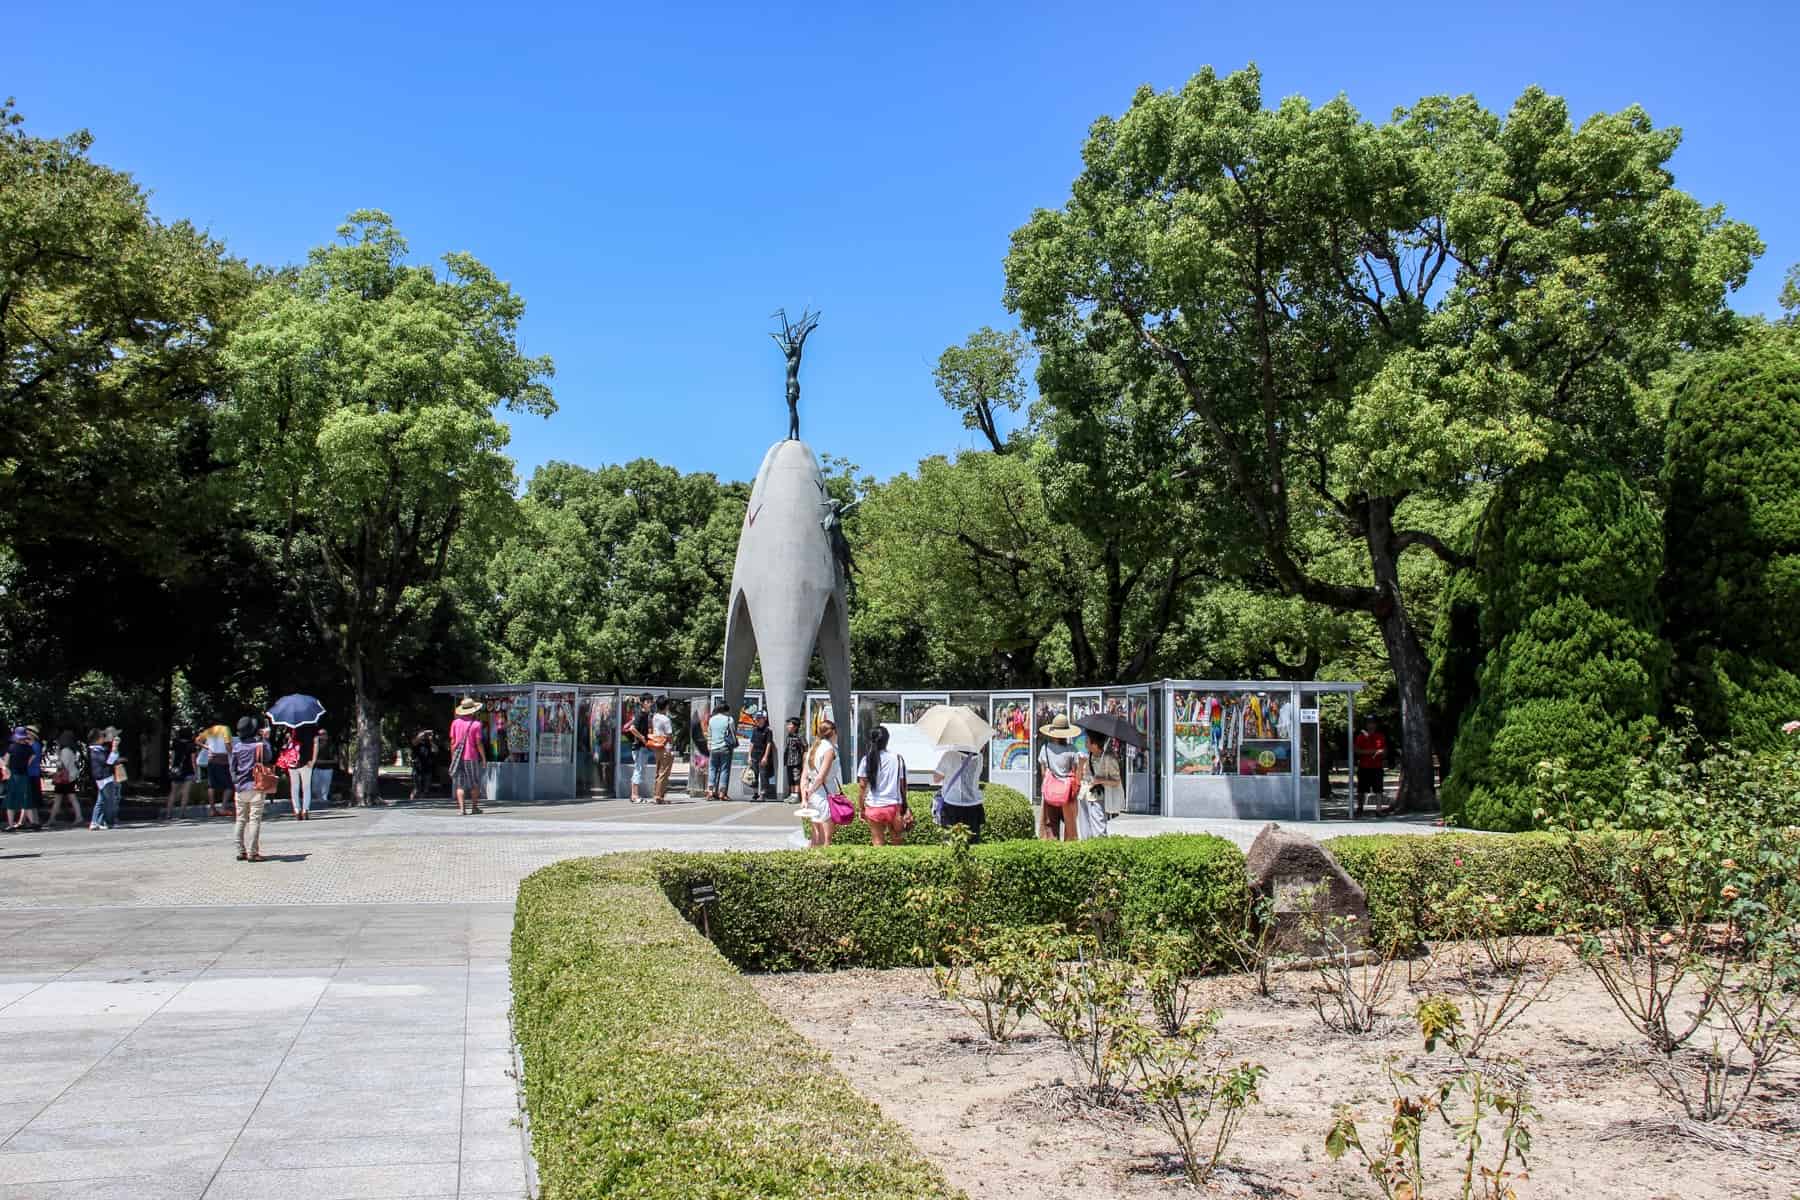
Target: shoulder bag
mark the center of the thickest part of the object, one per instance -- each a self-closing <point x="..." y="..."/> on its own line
<point x="262" y="776"/>
<point x="906" y="818"/>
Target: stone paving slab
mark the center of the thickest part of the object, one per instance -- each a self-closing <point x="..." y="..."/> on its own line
<point x="321" y="1077"/>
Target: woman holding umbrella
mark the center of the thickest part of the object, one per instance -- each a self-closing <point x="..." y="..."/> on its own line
<point x="963" y="737"/>
<point x="300" y="715"/>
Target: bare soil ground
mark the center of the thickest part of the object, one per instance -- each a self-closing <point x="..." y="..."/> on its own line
<point x="1003" y="1125"/>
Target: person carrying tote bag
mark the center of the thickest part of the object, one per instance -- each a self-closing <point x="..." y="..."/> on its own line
<point x="1061" y="782"/>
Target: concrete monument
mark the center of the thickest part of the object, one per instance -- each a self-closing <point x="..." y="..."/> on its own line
<point x="789" y="587"/>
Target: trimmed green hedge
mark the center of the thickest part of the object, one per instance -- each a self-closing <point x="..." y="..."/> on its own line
<point x="807" y="910"/>
<point x="1403" y="872"/>
<point x="653" y="1070"/>
<point x="1009" y="818"/>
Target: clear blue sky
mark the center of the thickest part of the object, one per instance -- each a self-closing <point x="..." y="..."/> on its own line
<point x="655" y="180"/>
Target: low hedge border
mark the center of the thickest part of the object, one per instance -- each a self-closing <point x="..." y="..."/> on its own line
<point x="1008" y="817"/>
<point x="805" y="910"/>
<point x="653" y="1070"/>
<point x="1403" y="874"/>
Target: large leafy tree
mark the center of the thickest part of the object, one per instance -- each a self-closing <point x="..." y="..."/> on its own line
<point x="1360" y="316"/>
<point x="1732" y="585"/>
<point x="615" y="574"/>
<point x="364" y="417"/>
<point x="110" y="326"/>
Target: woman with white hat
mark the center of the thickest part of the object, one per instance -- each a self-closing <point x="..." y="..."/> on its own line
<point x="1061" y="783"/>
<point x="466" y="757"/>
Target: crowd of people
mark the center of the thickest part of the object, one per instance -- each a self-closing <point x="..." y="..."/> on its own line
<point x="221" y="761"/>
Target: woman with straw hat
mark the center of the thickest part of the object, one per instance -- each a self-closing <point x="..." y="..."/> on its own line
<point x="466" y="757"/>
<point x="1061" y="785"/>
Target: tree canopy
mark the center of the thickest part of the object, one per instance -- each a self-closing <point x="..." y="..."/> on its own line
<point x="363" y="415"/>
<point x="1359" y="315"/>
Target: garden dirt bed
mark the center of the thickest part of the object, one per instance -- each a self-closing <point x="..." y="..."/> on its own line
<point x="1001" y="1125"/>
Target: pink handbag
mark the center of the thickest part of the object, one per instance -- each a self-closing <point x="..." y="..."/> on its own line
<point x="839" y="808"/>
<point x="1058" y="791"/>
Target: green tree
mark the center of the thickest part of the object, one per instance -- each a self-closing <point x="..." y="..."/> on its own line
<point x="981" y="377"/>
<point x="363" y="413"/>
<point x="1732" y="529"/>
<point x="617" y="574"/>
<point x="110" y="325"/>
<point x="1361" y="316"/>
<point x="1575" y="663"/>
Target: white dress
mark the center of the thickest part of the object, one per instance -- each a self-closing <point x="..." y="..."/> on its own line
<point x="817" y="804"/>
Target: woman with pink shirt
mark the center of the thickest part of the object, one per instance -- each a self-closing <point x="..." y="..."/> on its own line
<point x="466" y="757"/>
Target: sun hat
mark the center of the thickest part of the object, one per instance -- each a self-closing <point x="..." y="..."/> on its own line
<point x="1061" y="729"/>
<point x="246" y="726"/>
<point x="34" y="731"/>
<point x="469" y="707"/>
<point x="20" y="733"/>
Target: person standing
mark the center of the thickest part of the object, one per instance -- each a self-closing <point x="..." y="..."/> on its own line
<point x="324" y="766"/>
<point x="181" y="771"/>
<point x="215" y="747"/>
<point x="1371" y="764"/>
<point x="881" y="800"/>
<point x="62" y="784"/>
<point x="794" y="752"/>
<point x="1061" y="781"/>
<point x="21" y="803"/>
<point x="697" y="756"/>
<point x="424" y="763"/>
<point x="816" y="783"/>
<point x="103" y="757"/>
<point x="721" y="740"/>
<point x="958" y="779"/>
<point x="299" y="769"/>
<point x="662" y="750"/>
<point x="762" y="759"/>
<point x="643" y="758"/>
<point x="466" y="757"/>
<point x="247" y="750"/>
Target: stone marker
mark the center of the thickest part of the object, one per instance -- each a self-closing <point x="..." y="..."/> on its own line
<point x="1299" y="874"/>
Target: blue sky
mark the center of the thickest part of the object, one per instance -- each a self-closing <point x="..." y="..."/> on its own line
<point x="656" y="180"/>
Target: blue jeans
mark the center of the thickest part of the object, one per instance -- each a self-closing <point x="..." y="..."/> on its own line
<point x="643" y="771"/>
<point x="321" y="786"/>
<point x="106" y="806"/>
<point x="718" y="772"/>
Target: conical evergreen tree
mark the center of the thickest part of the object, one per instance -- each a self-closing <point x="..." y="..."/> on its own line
<point x="1732" y="541"/>
<point x="1568" y="558"/>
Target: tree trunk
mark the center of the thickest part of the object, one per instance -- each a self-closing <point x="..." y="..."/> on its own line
<point x="1418" y="782"/>
<point x="366" y="784"/>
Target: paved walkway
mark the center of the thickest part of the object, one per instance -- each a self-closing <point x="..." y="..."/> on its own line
<point x="328" y="1025"/>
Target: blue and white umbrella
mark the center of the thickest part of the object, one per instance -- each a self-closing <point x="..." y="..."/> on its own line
<point x="296" y="710"/>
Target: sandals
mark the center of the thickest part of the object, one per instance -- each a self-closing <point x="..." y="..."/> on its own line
<point x="241" y="856"/>
<point x="256" y="858"/>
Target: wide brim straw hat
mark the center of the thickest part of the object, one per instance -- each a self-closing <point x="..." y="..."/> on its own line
<point x="1062" y="729"/>
<point x="469" y="707"/>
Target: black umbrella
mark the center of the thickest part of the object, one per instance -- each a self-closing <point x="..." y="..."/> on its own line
<point x="1112" y="725"/>
<point x="296" y="710"/>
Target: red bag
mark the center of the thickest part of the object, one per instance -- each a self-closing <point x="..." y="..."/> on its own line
<point x="1058" y="791"/>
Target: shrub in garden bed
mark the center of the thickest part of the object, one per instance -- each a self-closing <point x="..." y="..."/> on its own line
<point x="856" y="906"/>
<point x="1010" y="818"/>
<point x="652" y="1068"/>
<point x="1407" y="876"/>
